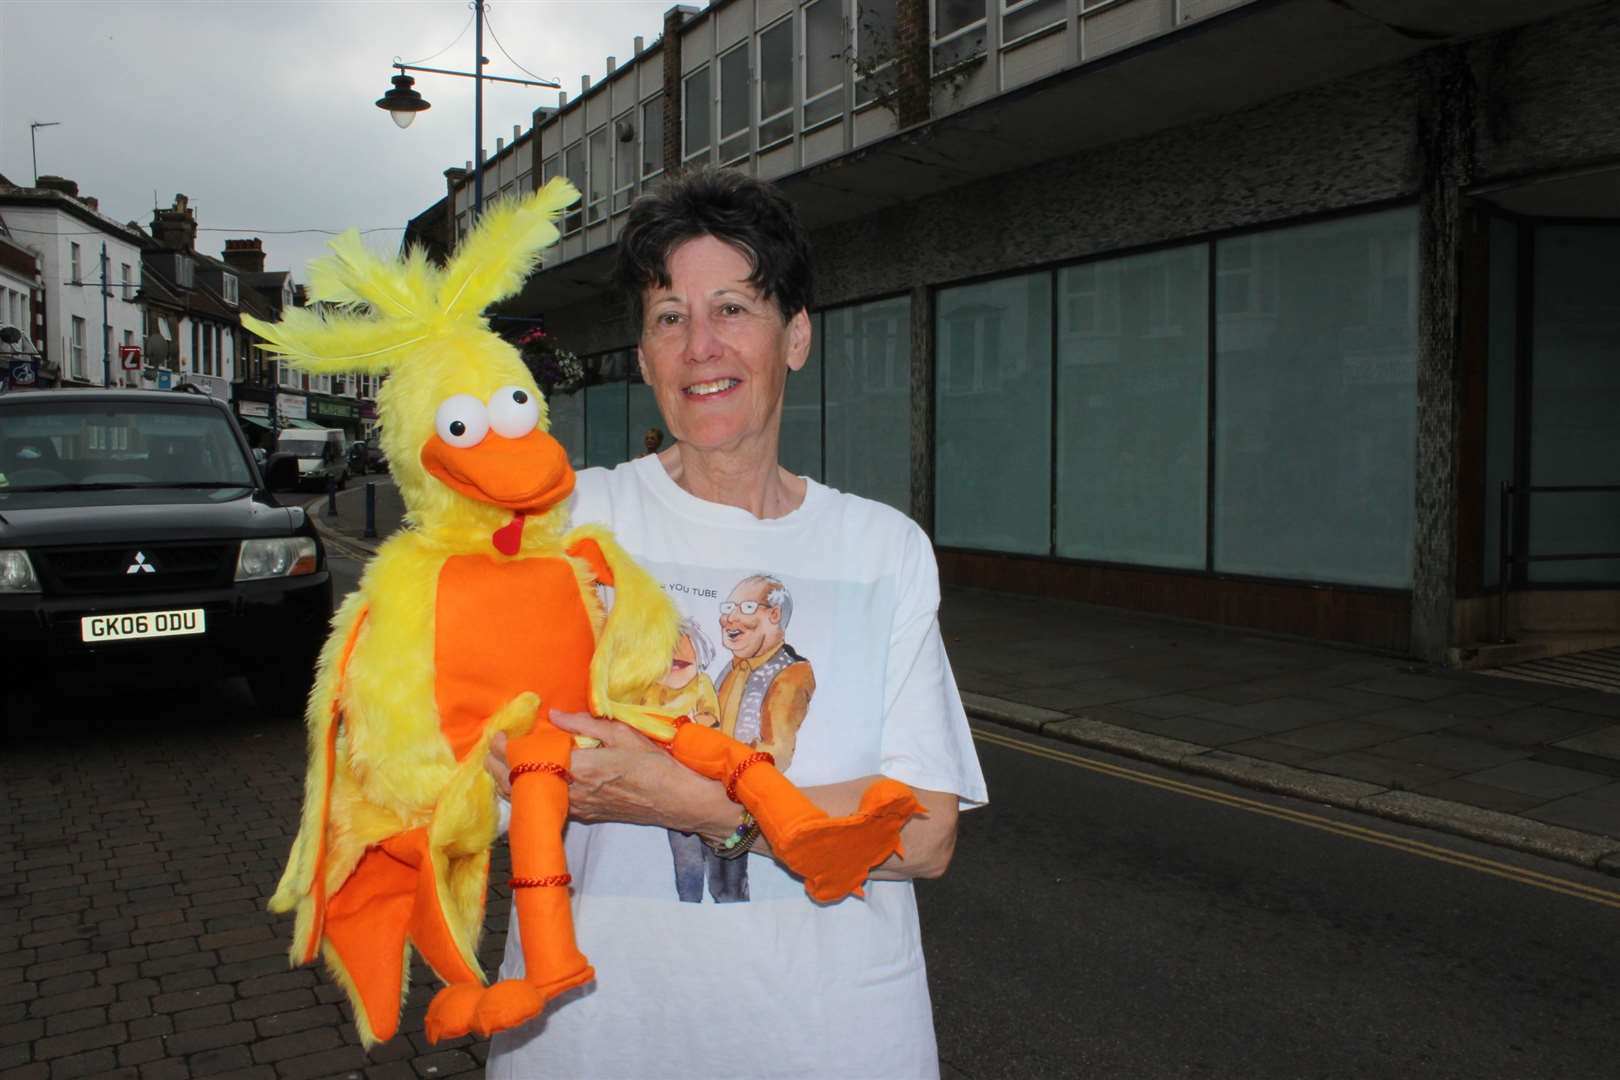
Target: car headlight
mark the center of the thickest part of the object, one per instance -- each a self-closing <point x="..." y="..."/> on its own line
<point x="17" y="572"/>
<point x="282" y="556"/>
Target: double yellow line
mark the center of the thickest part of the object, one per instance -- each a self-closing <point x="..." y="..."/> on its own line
<point x="1606" y="897"/>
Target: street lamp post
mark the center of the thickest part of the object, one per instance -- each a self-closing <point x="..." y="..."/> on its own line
<point x="403" y="102"/>
<point x="33" y="144"/>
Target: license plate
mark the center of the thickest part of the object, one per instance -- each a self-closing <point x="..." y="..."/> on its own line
<point x="141" y="624"/>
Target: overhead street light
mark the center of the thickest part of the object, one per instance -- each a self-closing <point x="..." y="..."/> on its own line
<point x="403" y="102"/>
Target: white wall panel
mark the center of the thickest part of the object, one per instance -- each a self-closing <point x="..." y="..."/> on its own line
<point x="1123" y="25"/>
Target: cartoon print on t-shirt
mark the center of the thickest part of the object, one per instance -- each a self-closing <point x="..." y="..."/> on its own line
<point x="763" y="695"/>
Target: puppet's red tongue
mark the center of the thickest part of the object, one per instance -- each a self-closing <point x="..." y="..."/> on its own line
<point x="509" y="537"/>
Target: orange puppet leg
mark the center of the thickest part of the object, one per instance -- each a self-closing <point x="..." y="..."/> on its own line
<point x="552" y="962"/>
<point x="451" y="1012"/>
<point x="366" y="923"/>
<point x="833" y="855"/>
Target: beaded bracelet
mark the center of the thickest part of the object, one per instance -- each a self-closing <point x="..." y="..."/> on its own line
<point x="738" y="843"/>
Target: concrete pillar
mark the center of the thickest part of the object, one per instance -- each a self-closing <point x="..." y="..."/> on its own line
<point x="1445" y="157"/>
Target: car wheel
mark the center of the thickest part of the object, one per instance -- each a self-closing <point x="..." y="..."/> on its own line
<point x="280" y="695"/>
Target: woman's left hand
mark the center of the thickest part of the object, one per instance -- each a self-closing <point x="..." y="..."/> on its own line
<point x="633" y="779"/>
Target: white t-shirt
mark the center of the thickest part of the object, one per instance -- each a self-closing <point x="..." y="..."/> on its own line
<point x="774" y="985"/>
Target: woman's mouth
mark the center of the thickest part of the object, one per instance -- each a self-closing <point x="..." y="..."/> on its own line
<point x="712" y="388"/>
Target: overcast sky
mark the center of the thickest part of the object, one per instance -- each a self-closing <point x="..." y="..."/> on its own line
<point x="261" y="111"/>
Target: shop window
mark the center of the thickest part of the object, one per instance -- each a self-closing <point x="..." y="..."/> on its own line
<point x="696" y="110"/>
<point x="1574" y="402"/>
<point x="1316" y="401"/>
<point x="800" y="448"/>
<point x="567" y="415"/>
<point x="776" y="83"/>
<point x="641" y="413"/>
<point x="993" y="415"/>
<point x="734" y="118"/>
<point x="605" y="427"/>
<point x="1132" y="415"/>
<point x="866" y="350"/>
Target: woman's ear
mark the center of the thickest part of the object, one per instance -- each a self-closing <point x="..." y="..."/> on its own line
<point x="798" y="329"/>
<point x="641" y="365"/>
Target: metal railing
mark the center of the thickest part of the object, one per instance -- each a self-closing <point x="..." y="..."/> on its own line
<point x="1510" y="559"/>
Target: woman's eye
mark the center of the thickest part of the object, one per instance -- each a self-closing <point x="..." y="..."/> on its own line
<point x="462" y="421"/>
<point x="731" y="309"/>
<point x="514" y="411"/>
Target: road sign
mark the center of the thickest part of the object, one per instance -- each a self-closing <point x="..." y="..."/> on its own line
<point x="130" y="357"/>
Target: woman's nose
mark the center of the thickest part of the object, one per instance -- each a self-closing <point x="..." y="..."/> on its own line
<point x="702" y="344"/>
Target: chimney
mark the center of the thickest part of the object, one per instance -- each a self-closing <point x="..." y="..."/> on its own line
<point x="612" y="62"/>
<point x="246" y="255"/>
<point x="584" y="85"/>
<point x="91" y="201"/>
<point x="640" y="45"/>
<point x="176" y="227"/>
<point x="58" y="183"/>
<point x="517" y="133"/>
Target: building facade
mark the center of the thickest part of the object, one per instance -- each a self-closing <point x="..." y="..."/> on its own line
<point x="90" y="268"/>
<point x="1239" y="310"/>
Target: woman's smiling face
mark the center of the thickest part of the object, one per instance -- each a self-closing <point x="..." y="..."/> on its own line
<point x="715" y="352"/>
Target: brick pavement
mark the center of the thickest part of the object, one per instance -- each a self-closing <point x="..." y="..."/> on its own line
<point x="136" y="857"/>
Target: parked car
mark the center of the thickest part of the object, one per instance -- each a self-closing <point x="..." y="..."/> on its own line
<point x="366" y="456"/>
<point x="140" y="543"/>
<point x="320" y="455"/>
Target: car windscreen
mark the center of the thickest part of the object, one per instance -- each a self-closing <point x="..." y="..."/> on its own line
<point x="58" y="444"/>
<point x="301" y="447"/>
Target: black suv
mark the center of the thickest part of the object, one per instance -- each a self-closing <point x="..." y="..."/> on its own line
<point x="139" y="542"/>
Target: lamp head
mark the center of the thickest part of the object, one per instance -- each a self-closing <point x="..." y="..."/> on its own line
<point x="403" y="102"/>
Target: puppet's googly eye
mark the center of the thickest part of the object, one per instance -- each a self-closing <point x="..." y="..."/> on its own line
<point x="514" y="411"/>
<point x="462" y="421"/>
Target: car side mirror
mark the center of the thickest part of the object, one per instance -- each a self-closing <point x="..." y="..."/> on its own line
<point x="282" y="473"/>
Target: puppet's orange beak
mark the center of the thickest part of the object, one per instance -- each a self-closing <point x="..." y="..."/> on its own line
<point x="527" y="475"/>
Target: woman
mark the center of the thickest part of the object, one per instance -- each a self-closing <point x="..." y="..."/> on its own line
<point x="825" y="606"/>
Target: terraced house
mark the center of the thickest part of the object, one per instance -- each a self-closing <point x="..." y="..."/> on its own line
<point x="1240" y="310"/>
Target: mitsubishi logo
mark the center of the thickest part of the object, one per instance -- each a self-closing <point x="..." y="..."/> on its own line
<point x="140" y="565"/>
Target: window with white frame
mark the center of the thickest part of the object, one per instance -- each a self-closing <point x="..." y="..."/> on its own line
<point x="1021" y="18"/>
<point x="76" y="347"/>
<point x="75" y="263"/>
<point x="228" y="289"/>
<point x="875" y="49"/>
<point x="126" y="275"/>
<point x="574" y="170"/>
<point x="776" y="83"/>
<point x="823" y="61"/>
<point x="599" y="174"/>
<point x="696" y="107"/>
<point x="734" y="118"/>
<point x="525" y="182"/>
<point x="550" y="169"/>
<point x="959" y="27"/>
<point x="624" y="159"/>
<point x="652" y="136"/>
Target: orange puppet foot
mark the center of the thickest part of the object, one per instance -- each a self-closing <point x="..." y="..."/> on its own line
<point x="511" y="1002"/>
<point x="834" y="855"/>
<point x="451" y="1013"/>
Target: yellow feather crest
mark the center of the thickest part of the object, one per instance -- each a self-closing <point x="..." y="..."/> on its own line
<point x="384" y="306"/>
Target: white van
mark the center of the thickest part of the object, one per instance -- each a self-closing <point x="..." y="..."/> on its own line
<point x="319" y="452"/>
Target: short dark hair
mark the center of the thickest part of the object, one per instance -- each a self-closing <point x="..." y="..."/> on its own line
<point x="733" y="207"/>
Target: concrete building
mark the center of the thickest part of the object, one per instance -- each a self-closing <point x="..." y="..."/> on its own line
<point x="1238" y="310"/>
<point x="22" y="294"/>
<point x="70" y="237"/>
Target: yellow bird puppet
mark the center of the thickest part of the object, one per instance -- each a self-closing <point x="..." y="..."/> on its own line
<point x="478" y="618"/>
